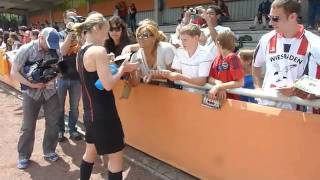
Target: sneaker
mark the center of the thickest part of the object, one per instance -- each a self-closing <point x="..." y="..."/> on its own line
<point x="51" y="157"/>
<point x="61" y="137"/>
<point x="23" y="164"/>
<point x="75" y="136"/>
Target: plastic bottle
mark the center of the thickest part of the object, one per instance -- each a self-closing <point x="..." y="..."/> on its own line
<point x="114" y="70"/>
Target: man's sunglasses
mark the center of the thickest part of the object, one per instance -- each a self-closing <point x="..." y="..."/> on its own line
<point x="144" y="35"/>
<point x="116" y="29"/>
<point x="274" y="18"/>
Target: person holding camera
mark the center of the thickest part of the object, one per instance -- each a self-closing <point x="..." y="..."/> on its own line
<point x="209" y="34"/>
<point x="69" y="79"/>
<point x="196" y="16"/>
<point x="36" y="94"/>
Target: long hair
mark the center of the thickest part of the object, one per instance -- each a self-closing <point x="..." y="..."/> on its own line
<point x="124" y="38"/>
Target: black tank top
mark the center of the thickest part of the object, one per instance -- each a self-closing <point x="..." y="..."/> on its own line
<point x="97" y="104"/>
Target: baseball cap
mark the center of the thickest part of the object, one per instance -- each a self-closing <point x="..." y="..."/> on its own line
<point x="52" y="37"/>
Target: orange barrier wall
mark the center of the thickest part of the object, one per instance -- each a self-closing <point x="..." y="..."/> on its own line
<point x="242" y="141"/>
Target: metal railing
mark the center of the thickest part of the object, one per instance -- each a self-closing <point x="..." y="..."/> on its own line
<point x="256" y="94"/>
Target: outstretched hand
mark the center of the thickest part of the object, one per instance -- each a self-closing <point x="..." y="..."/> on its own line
<point x="129" y="66"/>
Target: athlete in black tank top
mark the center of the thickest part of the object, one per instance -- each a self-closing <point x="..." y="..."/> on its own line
<point x="104" y="133"/>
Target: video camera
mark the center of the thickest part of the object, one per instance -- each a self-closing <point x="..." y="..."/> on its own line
<point x="77" y="19"/>
<point x="44" y="70"/>
<point x="193" y="11"/>
<point x="73" y="20"/>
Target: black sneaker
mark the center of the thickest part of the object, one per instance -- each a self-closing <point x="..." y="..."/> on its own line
<point x="61" y="137"/>
<point x="75" y="136"/>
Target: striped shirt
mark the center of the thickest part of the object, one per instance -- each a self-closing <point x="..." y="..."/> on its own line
<point x="32" y="52"/>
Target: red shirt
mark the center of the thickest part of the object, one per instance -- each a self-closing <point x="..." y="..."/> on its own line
<point x="227" y="69"/>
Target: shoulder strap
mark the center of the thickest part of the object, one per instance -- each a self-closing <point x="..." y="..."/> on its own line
<point x="80" y="61"/>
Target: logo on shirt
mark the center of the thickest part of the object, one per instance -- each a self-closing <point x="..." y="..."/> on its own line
<point x="281" y="74"/>
<point x="285" y="56"/>
<point x="223" y="66"/>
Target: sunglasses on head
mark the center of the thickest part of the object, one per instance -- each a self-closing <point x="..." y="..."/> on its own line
<point x="116" y="29"/>
<point x="144" y="35"/>
<point x="274" y="18"/>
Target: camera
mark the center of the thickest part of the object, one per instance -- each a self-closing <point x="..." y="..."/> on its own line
<point x="73" y="20"/>
<point x="193" y="11"/>
<point x="44" y="70"/>
<point x="77" y="19"/>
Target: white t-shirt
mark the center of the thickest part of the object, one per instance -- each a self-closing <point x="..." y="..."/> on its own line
<point x="210" y="45"/>
<point x="198" y="65"/>
<point x="286" y="60"/>
<point x="165" y="55"/>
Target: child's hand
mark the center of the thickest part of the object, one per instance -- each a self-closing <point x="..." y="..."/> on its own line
<point x="216" y="93"/>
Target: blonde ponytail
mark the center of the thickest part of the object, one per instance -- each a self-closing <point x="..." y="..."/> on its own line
<point x="92" y="20"/>
<point x="78" y="28"/>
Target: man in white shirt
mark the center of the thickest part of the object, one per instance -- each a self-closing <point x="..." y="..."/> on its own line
<point x="212" y="16"/>
<point x="288" y="52"/>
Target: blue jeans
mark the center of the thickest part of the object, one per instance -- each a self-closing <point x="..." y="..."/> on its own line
<point x="133" y="24"/>
<point x="73" y="87"/>
<point x="31" y="110"/>
<point x="314" y="8"/>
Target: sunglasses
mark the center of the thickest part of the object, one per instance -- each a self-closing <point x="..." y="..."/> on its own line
<point x="144" y="35"/>
<point x="116" y="29"/>
<point x="274" y="18"/>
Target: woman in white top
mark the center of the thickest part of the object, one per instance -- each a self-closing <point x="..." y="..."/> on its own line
<point x="153" y="54"/>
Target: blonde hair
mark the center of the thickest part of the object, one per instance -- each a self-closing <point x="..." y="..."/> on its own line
<point x="91" y="21"/>
<point x="246" y="55"/>
<point x="227" y="40"/>
<point x="159" y="35"/>
<point x="144" y="22"/>
<point x="191" y="30"/>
